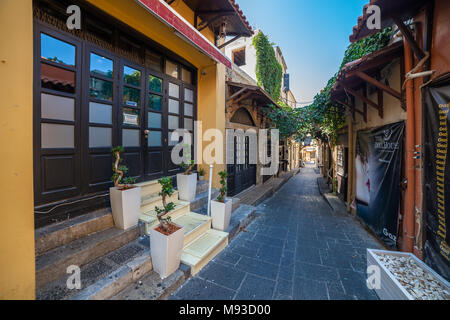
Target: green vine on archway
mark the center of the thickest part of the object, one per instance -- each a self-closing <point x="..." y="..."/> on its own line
<point x="269" y="72"/>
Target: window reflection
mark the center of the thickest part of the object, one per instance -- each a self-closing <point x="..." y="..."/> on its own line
<point x="59" y="79"/>
<point x="131" y="76"/>
<point x="100" y="89"/>
<point x="155" y="102"/>
<point x="101" y="66"/>
<point x="57" y="51"/>
<point x="155" y="84"/>
<point x="131" y="96"/>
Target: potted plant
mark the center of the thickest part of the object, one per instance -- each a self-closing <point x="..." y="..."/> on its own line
<point x="167" y="239"/>
<point x="125" y="198"/>
<point x="201" y="174"/>
<point x="221" y="208"/>
<point x="187" y="181"/>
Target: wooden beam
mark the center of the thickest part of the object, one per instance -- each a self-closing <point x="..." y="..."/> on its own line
<point x="361" y="97"/>
<point x="229" y="41"/>
<point x="352" y="108"/>
<point x="379" y="84"/>
<point x="241" y="98"/>
<point x="365" y="103"/>
<point x="208" y="22"/>
<point x="234" y="95"/>
<point x="381" y="103"/>
<point x="418" y="52"/>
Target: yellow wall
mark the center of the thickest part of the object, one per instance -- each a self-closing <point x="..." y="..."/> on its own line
<point x="17" y="266"/>
<point x="211" y="109"/>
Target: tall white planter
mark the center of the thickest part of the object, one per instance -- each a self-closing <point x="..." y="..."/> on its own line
<point x="126" y="206"/>
<point x="187" y="186"/>
<point x="221" y="214"/>
<point x="166" y="251"/>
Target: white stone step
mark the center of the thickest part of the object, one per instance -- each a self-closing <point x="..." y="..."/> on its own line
<point x="149" y="202"/>
<point x="194" y="225"/>
<point x="203" y="249"/>
<point x="149" y="187"/>
<point x="150" y="217"/>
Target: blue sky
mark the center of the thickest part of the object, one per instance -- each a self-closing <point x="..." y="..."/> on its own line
<point x="312" y="34"/>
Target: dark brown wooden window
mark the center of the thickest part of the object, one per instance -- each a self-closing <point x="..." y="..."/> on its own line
<point x="90" y="97"/>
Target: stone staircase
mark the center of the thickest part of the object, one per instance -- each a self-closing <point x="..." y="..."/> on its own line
<point x="110" y="259"/>
<point x="90" y="242"/>
<point x="201" y="242"/>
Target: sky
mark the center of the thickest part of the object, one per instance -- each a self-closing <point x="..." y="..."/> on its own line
<point x="312" y="34"/>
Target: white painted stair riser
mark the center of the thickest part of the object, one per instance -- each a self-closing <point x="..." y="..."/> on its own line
<point x="187" y="186"/>
<point x="221" y="214"/>
<point x="166" y="251"/>
<point x="125" y="206"/>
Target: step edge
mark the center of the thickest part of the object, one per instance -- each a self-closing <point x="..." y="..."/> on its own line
<point x="116" y="281"/>
<point x="223" y="238"/>
<point x="84" y="218"/>
<point x="114" y="233"/>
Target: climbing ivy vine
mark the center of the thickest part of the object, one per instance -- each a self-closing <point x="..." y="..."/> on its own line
<point x="269" y="72"/>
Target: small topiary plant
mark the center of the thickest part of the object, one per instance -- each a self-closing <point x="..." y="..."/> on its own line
<point x="201" y="172"/>
<point x="166" y="191"/>
<point x="120" y="170"/>
<point x="223" y="190"/>
<point x="187" y="167"/>
<point x="187" y="164"/>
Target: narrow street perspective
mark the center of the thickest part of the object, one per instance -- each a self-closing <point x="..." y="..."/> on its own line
<point x="297" y="248"/>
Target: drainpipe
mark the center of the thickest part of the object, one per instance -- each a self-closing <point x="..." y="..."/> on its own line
<point x="409" y="214"/>
<point x="350" y="164"/>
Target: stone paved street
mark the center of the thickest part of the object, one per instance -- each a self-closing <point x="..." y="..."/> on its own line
<point x="297" y="248"/>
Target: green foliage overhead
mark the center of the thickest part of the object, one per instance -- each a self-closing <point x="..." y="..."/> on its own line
<point x="323" y="118"/>
<point x="327" y="116"/>
<point x="269" y="72"/>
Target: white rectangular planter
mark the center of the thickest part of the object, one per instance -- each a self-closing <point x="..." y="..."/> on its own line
<point x="166" y="251"/>
<point x="390" y="287"/>
<point x="125" y="206"/>
<point x="187" y="186"/>
<point x="221" y="214"/>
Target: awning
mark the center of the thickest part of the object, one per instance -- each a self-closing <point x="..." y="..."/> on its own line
<point x="401" y="9"/>
<point x="213" y="12"/>
<point x="356" y="74"/>
<point x="240" y="91"/>
<point x="184" y="29"/>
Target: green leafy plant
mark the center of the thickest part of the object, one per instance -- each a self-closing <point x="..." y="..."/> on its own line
<point x="187" y="167"/>
<point x="223" y="190"/>
<point x="201" y="172"/>
<point x="269" y="71"/>
<point x="166" y="191"/>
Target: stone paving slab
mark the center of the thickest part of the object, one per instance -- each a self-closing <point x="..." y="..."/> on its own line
<point x="295" y="248"/>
